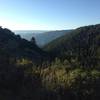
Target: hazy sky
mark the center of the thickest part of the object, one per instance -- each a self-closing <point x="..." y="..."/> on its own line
<point x="48" y="14"/>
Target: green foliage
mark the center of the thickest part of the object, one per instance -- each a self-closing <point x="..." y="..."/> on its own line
<point x="79" y="81"/>
<point x="73" y="75"/>
<point x="82" y="44"/>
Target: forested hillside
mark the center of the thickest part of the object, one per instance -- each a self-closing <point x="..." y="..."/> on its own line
<point x="82" y="44"/>
<point x="68" y="70"/>
<point x="17" y="47"/>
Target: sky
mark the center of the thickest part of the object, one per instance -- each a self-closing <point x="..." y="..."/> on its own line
<point x="48" y="14"/>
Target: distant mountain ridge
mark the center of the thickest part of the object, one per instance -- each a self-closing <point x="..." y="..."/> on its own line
<point x="29" y="31"/>
<point x="42" y="37"/>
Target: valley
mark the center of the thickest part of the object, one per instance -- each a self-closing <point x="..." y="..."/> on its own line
<point x="67" y="67"/>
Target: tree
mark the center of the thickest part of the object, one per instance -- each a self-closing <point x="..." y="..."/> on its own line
<point x="33" y="40"/>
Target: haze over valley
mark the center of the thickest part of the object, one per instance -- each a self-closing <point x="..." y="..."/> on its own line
<point x="42" y="37"/>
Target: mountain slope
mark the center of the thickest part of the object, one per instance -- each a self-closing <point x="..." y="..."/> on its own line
<point x="45" y="38"/>
<point x="82" y="43"/>
<point x="15" y="46"/>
